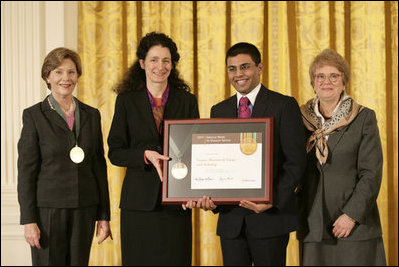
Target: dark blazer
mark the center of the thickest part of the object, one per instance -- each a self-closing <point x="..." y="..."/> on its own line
<point x="289" y="161"/>
<point x="133" y="131"/>
<point x="348" y="183"/>
<point x="47" y="177"/>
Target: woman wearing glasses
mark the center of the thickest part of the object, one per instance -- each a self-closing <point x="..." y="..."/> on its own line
<point x="339" y="219"/>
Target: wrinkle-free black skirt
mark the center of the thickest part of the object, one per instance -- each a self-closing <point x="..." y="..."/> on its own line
<point x="157" y="238"/>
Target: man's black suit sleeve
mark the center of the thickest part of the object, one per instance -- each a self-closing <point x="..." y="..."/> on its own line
<point x="292" y="142"/>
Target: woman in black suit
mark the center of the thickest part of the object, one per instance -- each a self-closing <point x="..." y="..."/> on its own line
<point x="62" y="174"/>
<point x="150" y="92"/>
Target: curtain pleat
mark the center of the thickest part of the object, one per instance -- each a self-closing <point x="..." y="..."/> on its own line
<point x="288" y="34"/>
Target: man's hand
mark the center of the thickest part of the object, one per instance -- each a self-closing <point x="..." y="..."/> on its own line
<point x="258" y="208"/>
<point x="204" y="203"/>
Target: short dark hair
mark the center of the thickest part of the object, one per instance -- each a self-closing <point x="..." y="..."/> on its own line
<point x="244" y="48"/>
<point x="54" y="59"/>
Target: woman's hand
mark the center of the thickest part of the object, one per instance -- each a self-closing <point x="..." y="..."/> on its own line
<point x="106" y="229"/>
<point x="32" y="234"/>
<point x="343" y="226"/>
<point x="155" y="159"/>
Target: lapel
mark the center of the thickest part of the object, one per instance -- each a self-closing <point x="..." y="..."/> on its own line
<point x="334" y="138"/>
<point x="144" y="106"/>
<point x="55" y="118"/>
<point x="261" y="103"/>
<point x="171" y="105"/>
<point x="231" y="110"/>
<point x="84" y="115"/>
<point x="52" y="116"/>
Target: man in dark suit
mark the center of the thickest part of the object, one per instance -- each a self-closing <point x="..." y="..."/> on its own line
<point x="259" y="233"/>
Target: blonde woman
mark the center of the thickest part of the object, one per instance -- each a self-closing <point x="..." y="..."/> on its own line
<point x="339" y="219"/>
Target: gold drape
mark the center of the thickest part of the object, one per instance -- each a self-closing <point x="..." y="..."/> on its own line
<point x="288" y="34"/>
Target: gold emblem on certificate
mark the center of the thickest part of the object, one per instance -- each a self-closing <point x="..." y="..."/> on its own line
<point x="179" y="170"/>
<point x="248" y="143"/>
<point x="77" y="154"/>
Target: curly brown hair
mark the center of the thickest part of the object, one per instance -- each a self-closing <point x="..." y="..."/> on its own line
<point x="135" y="79"/>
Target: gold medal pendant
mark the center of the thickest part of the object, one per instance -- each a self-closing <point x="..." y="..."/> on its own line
<point x="179" y="170"/>
<point x="248" y="143"/>
<point x="77" y="154"/>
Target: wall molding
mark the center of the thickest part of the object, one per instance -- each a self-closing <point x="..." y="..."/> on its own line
<point x="29" y="30"/>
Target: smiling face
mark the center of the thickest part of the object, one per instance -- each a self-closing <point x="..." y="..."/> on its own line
<point x="327" y="90"/>
<point x="63" y="78"/>
<point x="243" y="74"/>
<point x="157" y="64"/>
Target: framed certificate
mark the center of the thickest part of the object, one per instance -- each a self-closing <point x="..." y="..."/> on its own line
<point x="226" y="159"/>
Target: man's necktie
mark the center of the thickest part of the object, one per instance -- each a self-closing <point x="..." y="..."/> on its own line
<point x="244" y="110"/>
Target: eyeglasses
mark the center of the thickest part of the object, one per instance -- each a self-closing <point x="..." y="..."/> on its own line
<point x="321" y="77"/>
<point x="242" y="67"/>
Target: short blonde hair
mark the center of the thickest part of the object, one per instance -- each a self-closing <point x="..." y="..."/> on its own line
<point x="332" y="58"/>
<point x="54" y="59"/>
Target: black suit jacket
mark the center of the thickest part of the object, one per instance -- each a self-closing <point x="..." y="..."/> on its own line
<point x="289" y="162"/>
<point x="47" y="177"/>
<point x="133" y="131"/>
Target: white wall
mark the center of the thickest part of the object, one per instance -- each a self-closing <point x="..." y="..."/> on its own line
<point x="29" y="30"/>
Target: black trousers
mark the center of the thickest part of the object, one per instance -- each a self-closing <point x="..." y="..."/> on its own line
<point x="65" y="236"/>
<point x="245" y="250"/>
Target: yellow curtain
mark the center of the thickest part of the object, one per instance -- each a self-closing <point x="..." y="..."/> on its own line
<point x="288" y="34"/>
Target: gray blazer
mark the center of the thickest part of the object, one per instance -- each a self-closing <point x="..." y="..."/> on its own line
<point x="47" y="177"/>
<point x="348" y="183"/>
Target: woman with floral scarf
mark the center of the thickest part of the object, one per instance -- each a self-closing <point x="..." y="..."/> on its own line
<point x="339" y="219"/>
